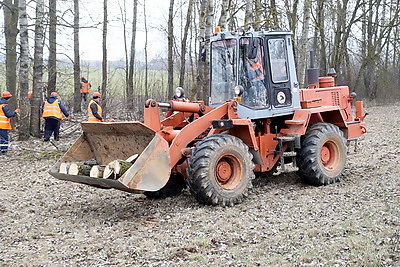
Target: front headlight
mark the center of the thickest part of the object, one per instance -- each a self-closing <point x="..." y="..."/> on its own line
<point x="238" y="90"/>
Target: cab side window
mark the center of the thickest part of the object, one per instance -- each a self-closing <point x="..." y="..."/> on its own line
<point x="278" y="60"/>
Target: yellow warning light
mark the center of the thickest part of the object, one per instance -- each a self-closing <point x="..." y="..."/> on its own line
<point x="217" y="29"/>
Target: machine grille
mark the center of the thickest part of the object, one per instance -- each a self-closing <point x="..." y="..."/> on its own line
<point x="335" y="98"/>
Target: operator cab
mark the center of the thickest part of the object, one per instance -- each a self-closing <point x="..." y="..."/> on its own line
<point x="259" y="68"/>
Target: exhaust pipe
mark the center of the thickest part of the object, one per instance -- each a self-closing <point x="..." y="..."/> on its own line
<point x="312" y="72"/>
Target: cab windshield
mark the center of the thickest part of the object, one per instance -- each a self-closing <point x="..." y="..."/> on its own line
<point x="223" y="70"/>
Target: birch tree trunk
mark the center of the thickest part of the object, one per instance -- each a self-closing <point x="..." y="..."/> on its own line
<point x="104" y="62"/>
<point x="77" y="64"/>
<point x="203" y="60"/>
<point x="23" y="129"/>
<point x="274" y="15"/>
<point x="170" y="50"/>
<point x="52" y="67"/>
<point x="129" y="96"/>
<point x="248" y="16"/>
<point x="37" y="70"/>
<point x="10" y="33"/>
<point x="183" y="45"/>
<point x="224" y="14"/>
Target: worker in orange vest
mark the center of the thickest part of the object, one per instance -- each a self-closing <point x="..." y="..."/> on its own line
<point x="253" y="80"/>
<point x="5" y="122"/>
<point x="53" y="110"/>
<point x="95" y="112"/>
<point x="85" y="88"/>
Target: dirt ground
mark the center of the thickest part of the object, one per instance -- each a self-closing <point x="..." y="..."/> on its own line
<point x="356" y="222"/>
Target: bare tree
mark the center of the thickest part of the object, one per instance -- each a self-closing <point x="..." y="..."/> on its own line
<point x="302" y="46"/>
<point x="184" y="43"/>
<point x="248" y="15"/>
<point x="170" y="49"/>
<point x="132" y="58"/>
<point x="52" y="65"/>
<point x="146" y="70"/>
<point x="274" y="15"/>
<point x="77" y="63"/>
<point x="203" y="61"/>
<point x="23" y="129"/>
<point x="319" y="34"/>
<point x="222" y="22"/>
<point x="37" y="70"/>
<point x="104" y="62"/>
<point x="10" y="34"/>
<point x="122" y="11"/>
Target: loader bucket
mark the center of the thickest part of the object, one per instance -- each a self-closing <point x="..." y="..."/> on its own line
<point x="108" y="141"/>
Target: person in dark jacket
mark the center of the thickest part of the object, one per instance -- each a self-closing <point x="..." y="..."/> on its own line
<point x="95" y="112"/>
<point x="180" y="97"/>
<point x="53" y="110"/>
<point x="5" y="122"/>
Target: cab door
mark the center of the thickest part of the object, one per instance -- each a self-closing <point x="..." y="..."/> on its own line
<point x="277" y="65"/>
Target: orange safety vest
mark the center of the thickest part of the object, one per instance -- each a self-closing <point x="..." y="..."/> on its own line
<point x="4" y="120"/>
<point x="258" y="67"/>
<point x="99" y="110"/>
<point x="85" y="87"/>
<point x="52" y="110"/>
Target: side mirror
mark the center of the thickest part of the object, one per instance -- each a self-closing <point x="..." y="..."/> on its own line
<point x="252" y="48"/>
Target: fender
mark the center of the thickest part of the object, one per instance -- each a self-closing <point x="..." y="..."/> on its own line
<point x="302" y="118"/>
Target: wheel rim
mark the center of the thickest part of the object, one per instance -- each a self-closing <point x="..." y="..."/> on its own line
<point x="228" y="171"/>
<point x="330" y="156"/>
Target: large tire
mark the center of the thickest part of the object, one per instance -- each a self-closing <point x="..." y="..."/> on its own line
<point x="323" y="154"/>
<point x="220" y="170"/>
<point x="174" y="187"/>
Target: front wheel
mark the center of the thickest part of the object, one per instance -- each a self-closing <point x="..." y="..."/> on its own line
<point x="322" y="158"/>
<point x="220" y="170"/>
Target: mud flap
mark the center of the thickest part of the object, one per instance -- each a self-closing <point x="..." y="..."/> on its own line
<point x="107" y="141"/>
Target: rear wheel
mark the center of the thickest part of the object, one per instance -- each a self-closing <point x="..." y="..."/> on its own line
<point x="323" y="154"/>
<point x="220" y="170"/>
<point x="174" y="187"/>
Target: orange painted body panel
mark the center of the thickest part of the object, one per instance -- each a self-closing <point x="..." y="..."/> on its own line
<point x="194" y="122"/>
<point x="330" y="104"/>
<point x="267" y="146"/>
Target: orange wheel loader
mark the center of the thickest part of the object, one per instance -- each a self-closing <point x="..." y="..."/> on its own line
<point x="257" y="120"/>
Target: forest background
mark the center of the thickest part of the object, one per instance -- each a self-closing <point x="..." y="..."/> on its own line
<point x="144" y="49"/>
